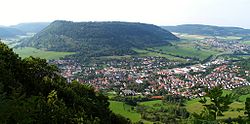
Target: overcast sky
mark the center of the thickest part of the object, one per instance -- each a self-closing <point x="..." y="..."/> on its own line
<point x="159" y="12"/>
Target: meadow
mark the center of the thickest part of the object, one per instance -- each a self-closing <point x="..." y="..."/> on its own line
<point x="193" y="106"/>
<point x="30" y="51"/>
<point x="187" y="49"/>
<point x="235" y="110"/>
<point x="228" y="37"/>
<point x="190" y="37"/>
<point x="145" y="53"/>
<point x="124" y="110"/>
<point x="200" y="37"/>
<point x="246" y="42"/>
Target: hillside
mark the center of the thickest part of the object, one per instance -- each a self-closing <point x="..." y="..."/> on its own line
<point x="99" y="38"/>
<point x="31" y="27"/>
<point x="208" y="30"/>
<point x="7" y="32"/>
<point x="31" y="91"/>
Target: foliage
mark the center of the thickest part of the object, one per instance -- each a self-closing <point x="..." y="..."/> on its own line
<point x="176" y="99"/>
<point x="217" y="105"/>
<point x="242" y="91"/>
<point x="247" y="108"/>
<point x="31" y="91"/>
<point x="165" y="113"/>
<point x="7" y="32"/>
<point x="245" y="66"/>
<point x="94" y="39"/>
<point x="31" y="27"/>
<point x="130" y="100"/>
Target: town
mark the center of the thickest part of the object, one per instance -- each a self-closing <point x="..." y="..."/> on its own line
<point x="154" y="75"/>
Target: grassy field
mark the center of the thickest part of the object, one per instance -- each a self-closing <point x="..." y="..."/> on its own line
<point x="29" y="51"/>
<point x="200" y="37"/>
<point x="236" y="108"/>
<point x="190" y="37"/>
<point x="155" y="54"/>
<point x="246" y="42"/>
<point x="151" y="103"/>
<point x="243" y="97"/>
<point x="124" y="110"/>
<point x="187" y="49"/>
<point x="234" y="111"/>
<point x="116" y="57"/>
<point x="228" y="37"/>
<point x="194" y="106"/>
<point x="154" y="104"/>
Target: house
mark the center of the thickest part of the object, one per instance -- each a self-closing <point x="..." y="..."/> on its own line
<point x="128" y="92"/>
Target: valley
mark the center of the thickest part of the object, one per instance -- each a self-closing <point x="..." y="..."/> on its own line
<point x="145" y="79"/>
<point x="149" y="83"/>
<point x="124" y="62"/>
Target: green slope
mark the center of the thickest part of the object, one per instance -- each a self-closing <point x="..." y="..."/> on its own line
<point x="30" y="51"/>
<point x="94" y="39"/>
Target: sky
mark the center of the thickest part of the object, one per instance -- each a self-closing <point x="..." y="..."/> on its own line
<point x="158" y="12"/>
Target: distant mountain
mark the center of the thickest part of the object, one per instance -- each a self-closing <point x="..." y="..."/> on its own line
<point x="208" y="30"/>
<point x="31" y="27"/>
<point x="99" y="38"/>
<point x="7" y="32"/>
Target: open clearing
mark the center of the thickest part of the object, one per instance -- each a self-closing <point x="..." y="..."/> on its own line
<point x="236" y="108"/>
<point x="246" y="42"/>
<point x="30" y="51"/>
<point x="190" y="37"/>
<point x="187" y="49"/>
<point x="124" y="110"/>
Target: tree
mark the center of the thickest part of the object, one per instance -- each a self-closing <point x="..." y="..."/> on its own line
<point x="216" y="105"/>
<point x="32" y="91"/>
<point x="247" y="107"/>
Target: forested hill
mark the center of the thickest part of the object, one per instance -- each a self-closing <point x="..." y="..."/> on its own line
<point x="99" y="38"/>
<point x="32" y="27"/>
<point x="7" y="32"/>
<point x="32" y="92"/>
<point x="208" y="30"/>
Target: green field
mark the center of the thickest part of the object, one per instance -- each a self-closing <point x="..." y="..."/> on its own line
<point x="124" y="110"/>
<point x="246" y="42"/>
<point x="193" y="106"/>
<point x="200" y="37"/>
<point x="144" y="53"/>
<point x="190" y="37"/>
<point x="115" y="57"/>
<point x="243" y="97"/>
<point x="151" y="103"/>
<point x="30" y="51"/>
<point x="188" y="49"/>
<point x="228" y="37"/>
<point x="235" y="110"/>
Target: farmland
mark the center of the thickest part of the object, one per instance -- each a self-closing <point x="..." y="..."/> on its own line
<point x="124" y="110"/>
<point x="187" y="49"/>
<point x="236" y="109"/>
<point x="143" y="53"/>
<point x="193" y="106"/>
<point x="246" y="42"/>
<point x="191" y="37"/>
<point x="29" y="51"/>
